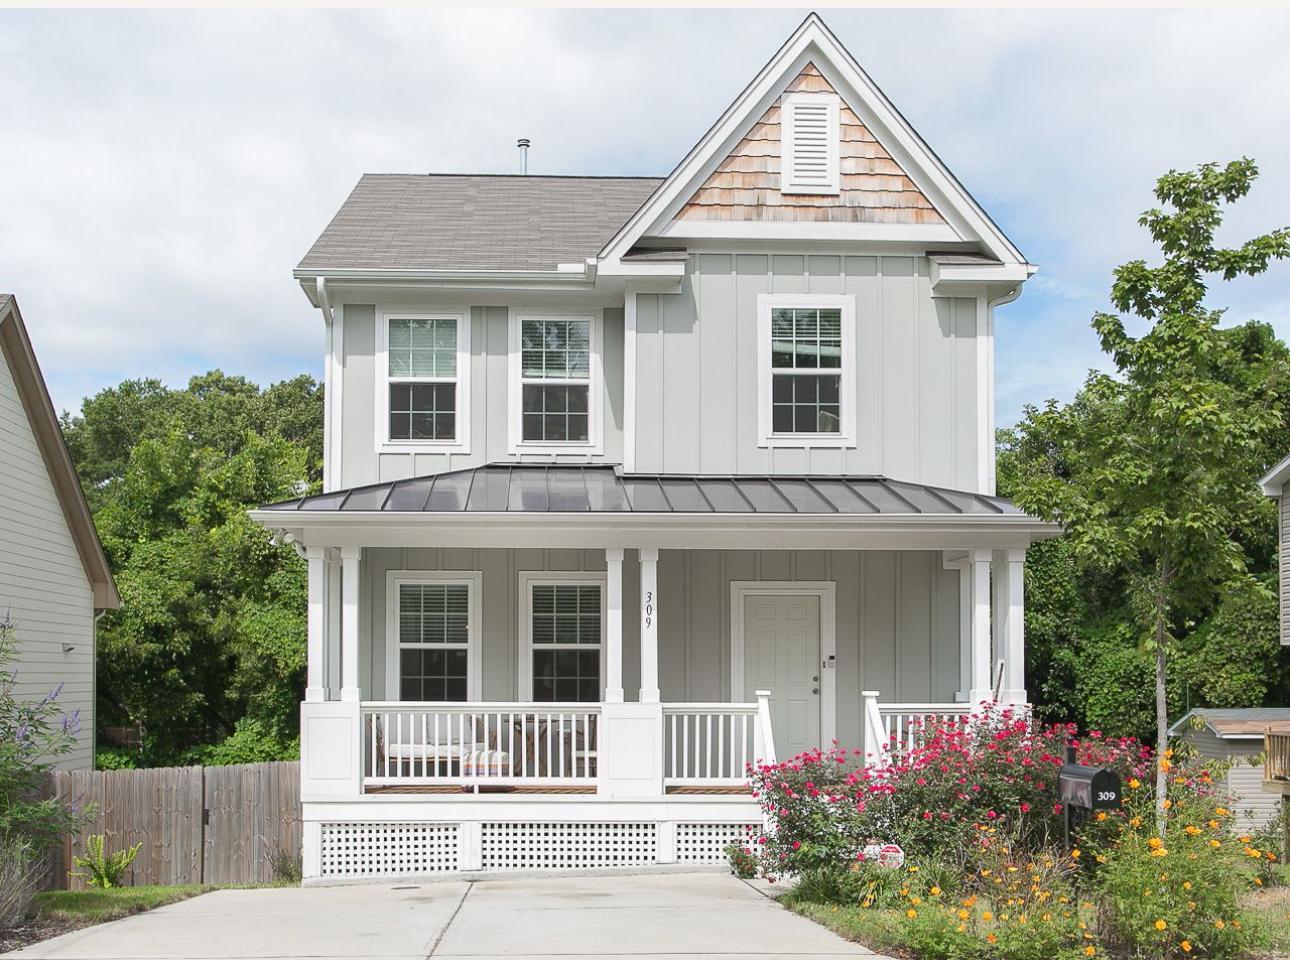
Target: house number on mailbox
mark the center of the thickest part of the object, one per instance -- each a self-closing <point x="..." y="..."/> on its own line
<point x="649" y="608"/>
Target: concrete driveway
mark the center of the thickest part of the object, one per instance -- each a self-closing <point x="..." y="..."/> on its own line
<point x="659" y="916"/>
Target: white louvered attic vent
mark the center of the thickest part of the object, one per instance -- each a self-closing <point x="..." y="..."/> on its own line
<point x="810" y="131"/>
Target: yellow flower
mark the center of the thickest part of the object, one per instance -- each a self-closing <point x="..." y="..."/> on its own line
<point x="1186" y="884"/>
<point x="913" y="869"/>
<point x="1075" y="854"/>
<point x="1101" y="815"/>
<point x="1161" y="925"/>
<point x="1135" y="822"/>
<point x="963" y="914"/>
<point x="1186" y="946"/>
<point x="1258" y="881"/>
<point x="911" y="914"/>
<point x="1134" y="783"/>
<point x="915" y="900"/>
<point x="1221" y="811"/>
<point x="1215" y="843"/>
<point x="1219" y="923"/>
<point x="991" y="938"/>
<point x="935" y="891"/>
<point x="1191" y="830"/>
<point x="987" y="916"/>
<point x="1167" y="804"/>
<point x="1090" y="951"/>
<point x="1155" y="843"/>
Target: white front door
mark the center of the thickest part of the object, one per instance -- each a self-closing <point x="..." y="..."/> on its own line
<point x="782" y="655"/>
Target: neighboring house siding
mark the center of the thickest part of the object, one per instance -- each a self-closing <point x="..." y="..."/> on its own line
<point x="43" y="585"/>
<point x="897" y="618"/>
<point x="1253" y="807"/>
<point x="1284" y="561"/>
<point x="916" y="401"/>
<point x="489" y="399"/>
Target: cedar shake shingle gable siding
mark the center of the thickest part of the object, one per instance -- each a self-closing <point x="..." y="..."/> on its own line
<point x="460" y="222"/>
<point x="746" y="184"/>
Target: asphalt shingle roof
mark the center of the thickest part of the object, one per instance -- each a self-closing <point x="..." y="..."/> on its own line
<point x="501" y="487"/>
<point x="475" y="222"/>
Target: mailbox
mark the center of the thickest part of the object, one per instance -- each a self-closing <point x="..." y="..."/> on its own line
<point x="1089" y="788"/>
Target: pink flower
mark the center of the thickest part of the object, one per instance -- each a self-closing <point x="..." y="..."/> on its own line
<point x="1025" y="807"/>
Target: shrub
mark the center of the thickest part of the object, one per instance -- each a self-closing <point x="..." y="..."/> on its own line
<point x="19" y="880"/>
<point x="116" y="758"/>
<point x="33" y="735"/>
<point x="105" y="869"/>
<point x="252" y="741"/>
<point x="996" y="769"/>
<point x="743" y="864"/>
<point x="1165" y="896"/>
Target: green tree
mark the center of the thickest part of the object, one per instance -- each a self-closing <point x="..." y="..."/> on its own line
<point x="1152" y="469"/>
<point x="208" y="646"/>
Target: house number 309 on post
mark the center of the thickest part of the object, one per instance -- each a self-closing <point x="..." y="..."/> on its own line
<point x="647" y="609"/>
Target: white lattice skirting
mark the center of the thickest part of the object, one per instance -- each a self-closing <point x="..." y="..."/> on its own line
<point x="707" y="842"/>
<point x="370" y="850"/>
<point x="388" y="849"/>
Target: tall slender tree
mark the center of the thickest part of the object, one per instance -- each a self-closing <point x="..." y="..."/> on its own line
<point x="1155" y="469"/>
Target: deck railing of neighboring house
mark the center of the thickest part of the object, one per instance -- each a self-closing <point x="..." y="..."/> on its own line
<point x="1276" y="761"/>
<point x="905" y="724"/>
<point x="480" y="744"/>
<point x="710" y="744"/>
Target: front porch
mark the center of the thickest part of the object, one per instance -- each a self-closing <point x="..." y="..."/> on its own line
<point x="503" y="692"/>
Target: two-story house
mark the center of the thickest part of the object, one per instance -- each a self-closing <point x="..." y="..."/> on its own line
<point x="633" y="481"/>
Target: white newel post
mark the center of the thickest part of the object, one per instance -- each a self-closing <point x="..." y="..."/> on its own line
<point x="979" y="574"/>
<point x="614" y="625"/>
<point x="631" y="734"/>
<point x="649" y="625"/>
<point x="764" y="733"/>
<point x="316" y="644"/>
<point x="1013" y="637"/>
<point x="349" y="557"/>
<point x="875" y="733"/>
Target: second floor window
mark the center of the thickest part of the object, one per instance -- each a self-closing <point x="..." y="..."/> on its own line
<point x="421" y="398"/>
<point x="555" y="380"/>
<point x="806" y="381"/>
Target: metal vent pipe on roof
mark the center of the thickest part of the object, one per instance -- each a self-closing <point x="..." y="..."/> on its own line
<point x="523" y="143"/>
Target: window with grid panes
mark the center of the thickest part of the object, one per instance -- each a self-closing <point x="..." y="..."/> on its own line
<point x="422" y="378"/>
<point x="806" y="370"/>
<point x="555" y="380"/>
<point x="434" y="635"/>
<point x="565" y="632"/>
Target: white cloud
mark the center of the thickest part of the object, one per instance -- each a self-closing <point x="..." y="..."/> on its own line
<point x="164" y="171"/>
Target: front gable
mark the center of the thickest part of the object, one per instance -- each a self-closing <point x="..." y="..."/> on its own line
<point x="873" y="187"/>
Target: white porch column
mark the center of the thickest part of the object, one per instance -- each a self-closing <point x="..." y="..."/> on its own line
<point x="1010" y="574"/>
<point x="979" y="576"/>
<point x="349" y="557"/>
<point x="316" y="645"/>
<point x="614" y="625"/>
<point x="649" y="625"/>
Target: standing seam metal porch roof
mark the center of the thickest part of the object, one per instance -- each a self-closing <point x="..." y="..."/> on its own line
<point x="509" y="488"/>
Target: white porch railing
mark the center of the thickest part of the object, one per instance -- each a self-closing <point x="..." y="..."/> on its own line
<point x="480" y="745"/>
<point x="710" y="744"/>
<point x="905" y="725"/>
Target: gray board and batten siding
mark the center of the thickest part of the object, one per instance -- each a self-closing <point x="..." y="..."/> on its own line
<point x="897" y="618"/>
<point x="916" y="390"/>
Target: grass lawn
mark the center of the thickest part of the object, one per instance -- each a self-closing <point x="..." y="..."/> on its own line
<point x="62" y="911"/>
<point x="880" y="930"/>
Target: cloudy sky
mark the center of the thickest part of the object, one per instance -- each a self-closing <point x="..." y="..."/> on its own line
<point x="163" y="172"/>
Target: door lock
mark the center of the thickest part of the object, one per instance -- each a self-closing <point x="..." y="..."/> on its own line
<point x="815" y="690"/>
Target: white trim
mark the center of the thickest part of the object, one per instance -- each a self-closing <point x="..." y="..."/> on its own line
<point x="474" y="581"/>
<point x="381" y="379"/>
<point x="1272" y="482"/>
<point x="814" y="42"/>
<point x="629" y="377"/>
<point x="594" y="444"/>
<point x="334" y="401"/>
<point x="826" y="590"/>
<point x="528" y="579"/>
<point x="846" y="436"/>
<point x="790" y="103"/>
<point x="918" y="234"/>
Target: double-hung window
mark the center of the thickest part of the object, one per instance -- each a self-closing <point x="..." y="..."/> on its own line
<point x="431" y="636"/>
<point x="564" y="639"/>
<point x="807" y="367"/>
<point x="424" y="361"/>
<point x="557" y="382"/>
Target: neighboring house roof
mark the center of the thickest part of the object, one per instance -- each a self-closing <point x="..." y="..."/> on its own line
<point x="1237" y="724"/>
<point x="475" y="222"/>
<point x="16" y="346"/>
<point x="1276" y="478"/>
<point x="502" y="488"/>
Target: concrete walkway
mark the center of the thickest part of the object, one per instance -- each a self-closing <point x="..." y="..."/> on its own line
<point x="657" y="916"/>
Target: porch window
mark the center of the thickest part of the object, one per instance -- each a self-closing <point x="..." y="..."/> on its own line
<point x="433" y="640"/>
<point x="566" y="637"/>
<point x="556" y="382"/>
<point x="806" y="378"/>
<point x="421" y="398"/>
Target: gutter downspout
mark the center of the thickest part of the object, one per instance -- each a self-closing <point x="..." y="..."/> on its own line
<point x="1007" y="298"/>
<point x="331" y="387"/>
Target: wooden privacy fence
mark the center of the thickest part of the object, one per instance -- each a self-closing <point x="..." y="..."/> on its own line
<point x="234" y="824"/>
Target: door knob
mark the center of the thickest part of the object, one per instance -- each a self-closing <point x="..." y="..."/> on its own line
<point x="815" y="679"/>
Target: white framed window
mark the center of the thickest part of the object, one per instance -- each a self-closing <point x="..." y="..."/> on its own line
<point x="556" y="382"/>
<point x="806" y="370"/>
<point x="422" y="381"/>
<point x="810" y="141"/>
<point x="562" y="637"/>
<point x="432" y="635"/>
